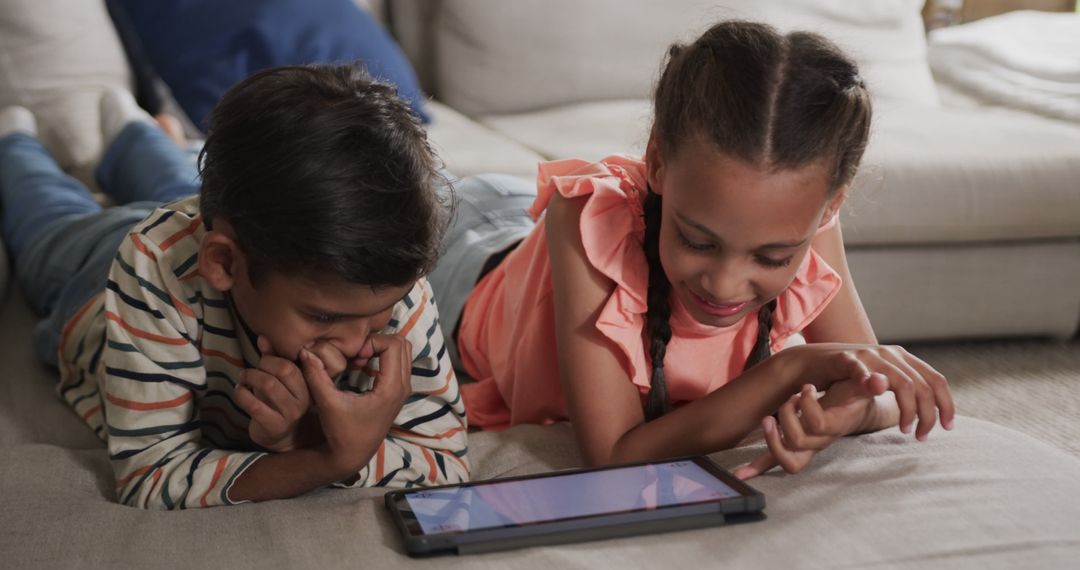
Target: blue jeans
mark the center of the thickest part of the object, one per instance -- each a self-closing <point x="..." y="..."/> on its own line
<point x="492" y="215"/>
<point x="61" y="241"/>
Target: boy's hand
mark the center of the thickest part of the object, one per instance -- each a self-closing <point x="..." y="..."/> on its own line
<point x="276" y="397"/>
<point x="805" y="424"/>
<point x="353" y="424"/>
<point x="333" y="359"/>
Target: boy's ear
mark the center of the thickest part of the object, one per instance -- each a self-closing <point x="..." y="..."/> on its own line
<point x="833" y="206"/>
<point x="218" y="257"/>
<point x="654" y="164"/>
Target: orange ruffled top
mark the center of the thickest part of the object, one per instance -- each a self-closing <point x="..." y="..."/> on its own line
<point x="507" y="332"/>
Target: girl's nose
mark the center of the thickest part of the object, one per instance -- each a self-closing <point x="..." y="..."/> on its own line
<point x="726" y="283"/>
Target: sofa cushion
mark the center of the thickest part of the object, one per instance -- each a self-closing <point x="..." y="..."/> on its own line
<point x="564" y="51"/>
<point x="930" y="174"/>
<point x="56" y="58"/>
<point x="936" y="175"/>
<point x="202" y="47"/>
<point x="467" y="147"/>
<point x="589" y="130"/>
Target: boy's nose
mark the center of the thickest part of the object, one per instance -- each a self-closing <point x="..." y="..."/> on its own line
<point x="351" y="338"/>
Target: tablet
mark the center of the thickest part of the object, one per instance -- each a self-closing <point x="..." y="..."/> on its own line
<point x="572" y="506"/>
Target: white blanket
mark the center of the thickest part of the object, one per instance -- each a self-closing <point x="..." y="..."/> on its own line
<point x="1026" y="59"/>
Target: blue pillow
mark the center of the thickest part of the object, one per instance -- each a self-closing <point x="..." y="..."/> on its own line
<point x="200" y="48"/>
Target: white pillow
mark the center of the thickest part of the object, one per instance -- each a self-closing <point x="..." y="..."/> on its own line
<point x="56" y="57"/>
<point x="509" y="57"/>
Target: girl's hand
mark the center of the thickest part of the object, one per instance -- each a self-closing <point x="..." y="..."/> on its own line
<point x="353" y="424"/>
<point x="920" y="390"/>
<point x="276" y="397"/>
<point x="806" y="424"/>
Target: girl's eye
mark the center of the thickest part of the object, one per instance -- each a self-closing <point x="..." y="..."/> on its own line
<point x="773" y="263"/>
<point x="693" y="245"/>
<point x="322" y="318"/>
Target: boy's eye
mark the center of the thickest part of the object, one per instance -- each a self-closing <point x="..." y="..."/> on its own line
<point x="770" y="262"/>
<point x="323" y="318"/>
<point x="693" y="245"/>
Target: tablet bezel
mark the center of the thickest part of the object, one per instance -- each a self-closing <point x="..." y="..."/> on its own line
<point x="743" y="508"/>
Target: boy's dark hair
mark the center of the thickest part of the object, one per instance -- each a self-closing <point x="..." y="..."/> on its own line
<point x="323" y="173"/>
<point x="772" y="100"/>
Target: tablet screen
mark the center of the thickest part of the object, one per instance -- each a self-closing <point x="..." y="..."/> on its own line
<point x="558" y="497"/>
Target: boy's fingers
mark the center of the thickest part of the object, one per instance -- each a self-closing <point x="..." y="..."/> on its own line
<point x="395" y="359"/>
<point x="267" y="388"/>
<point x="254" y="406"/>
<point x="318" y="381"/>
<point x="331" y="357"/>
<point x="264" y="346"/>
<point x="285" y="373"/>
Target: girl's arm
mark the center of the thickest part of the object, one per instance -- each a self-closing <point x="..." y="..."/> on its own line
<point x="845" y="320"/>
<point x="605" y="406"/>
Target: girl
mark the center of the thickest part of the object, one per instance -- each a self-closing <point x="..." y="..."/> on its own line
<point x="644" y="304"/>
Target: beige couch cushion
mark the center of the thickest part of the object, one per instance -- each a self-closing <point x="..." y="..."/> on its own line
<point x="56" y="57"/>
<point x="467" y="147"/>
<point x="992" y="290"/>
<point x="979" y="497"/>
<point x="930" y="174"/>
<point x="963" y="175"/>
<point x="590" y="130"/>
<point x="566" y="51"/>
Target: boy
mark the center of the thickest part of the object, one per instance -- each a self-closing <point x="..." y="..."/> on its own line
<point x="224" y="346"/>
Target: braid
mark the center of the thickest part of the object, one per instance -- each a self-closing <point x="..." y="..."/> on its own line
<point x="761" y="349"/>
<point x="658" y="314"/>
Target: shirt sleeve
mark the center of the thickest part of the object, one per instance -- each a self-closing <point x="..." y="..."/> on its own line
<point x="427" y="444"/>
<point x="153" y="380"/>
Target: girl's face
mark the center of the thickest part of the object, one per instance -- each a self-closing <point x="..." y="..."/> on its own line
<point x="733" y="236"/>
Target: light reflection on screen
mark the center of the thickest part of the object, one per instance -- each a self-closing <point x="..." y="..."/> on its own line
<point x="512" y="503"/>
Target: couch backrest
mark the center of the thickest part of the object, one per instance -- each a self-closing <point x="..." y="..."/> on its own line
<point x="493" y="57"/>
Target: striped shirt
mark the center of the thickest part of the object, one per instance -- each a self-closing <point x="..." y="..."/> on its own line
<point x="151" y="364"/>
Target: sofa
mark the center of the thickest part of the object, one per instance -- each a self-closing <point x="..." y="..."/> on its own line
<point x="953" y="265"/>
<point x="964" y="222"/>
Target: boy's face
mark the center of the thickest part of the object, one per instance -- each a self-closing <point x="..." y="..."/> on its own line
<point x="294" y="313"/>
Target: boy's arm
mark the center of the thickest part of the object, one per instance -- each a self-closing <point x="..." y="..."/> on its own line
<point x="154" y="376"/>
<point x="427" y="443"/>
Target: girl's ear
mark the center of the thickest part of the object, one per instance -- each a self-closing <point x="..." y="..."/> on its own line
<point x="219" y="258"/>
<point x="833" y="206"/>
<point x="654" y="164"/>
